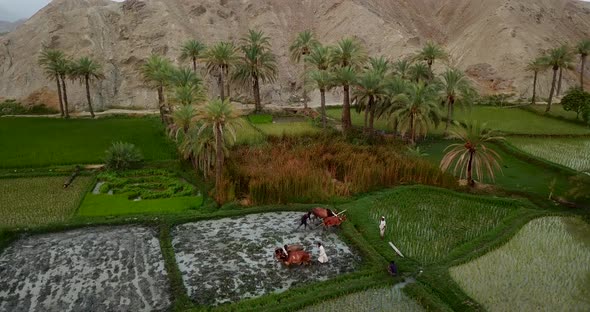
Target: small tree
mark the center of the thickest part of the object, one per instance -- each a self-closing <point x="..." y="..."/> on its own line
<point x="156" y="73"/>
<point x="86" y="70"/>
<point x="193" y="50"/>
<point x="577" y="101"/>
<point x="122" y="156"/>
<point x="50" y="59"/>
<point x="472" y="154"/>
<point x="299" y="49"/>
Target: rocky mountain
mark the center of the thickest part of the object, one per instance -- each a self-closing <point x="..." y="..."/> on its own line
<point x="6" y="27"/>
<point x="492" y="39"/>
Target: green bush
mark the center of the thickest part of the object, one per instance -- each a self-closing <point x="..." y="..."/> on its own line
<point x="578" y="101"/>
<point x="12" y="107"/>
<point x="260" y="118"/>
<point x="121" y="156"/>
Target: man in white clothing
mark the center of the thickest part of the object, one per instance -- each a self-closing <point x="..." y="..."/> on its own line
<point x="382" y="227"/>
<point x="323" y="258"/>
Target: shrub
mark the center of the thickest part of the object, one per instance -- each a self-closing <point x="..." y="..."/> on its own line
<point x="578" y="101"/>
<point x="121" y="156"/>
<point x="12" y="107"/>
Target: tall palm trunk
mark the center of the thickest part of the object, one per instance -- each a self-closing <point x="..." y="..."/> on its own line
<point x="582" y="72"/>
<point x="535" y="88"/>
<point x="450" y="110"/>
<point x="470" y="180"/>
<point x="219" y="162"/>
<point x="559" y="81"/>
<point x="87" y="80"/>
<point x="65" y="96"/>
<point x="257" y="94"/>
<point x="552" y="90"/>
<point x="346" y="122"/>
<point x="227" y="85"/>
<point x="195" y="64"/>
<point x="221" y="85"/>
<point x="366" y="124"/>
<point x="61" y="101"/>
<point x="304" y="89"/>
<point x="323" y="106"/>
<point x="161" y="103"/>
<point x="412" y="130"/>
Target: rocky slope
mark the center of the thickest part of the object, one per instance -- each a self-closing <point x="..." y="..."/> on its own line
<point x="6" y="27"/>
<point x="491" y="39"/>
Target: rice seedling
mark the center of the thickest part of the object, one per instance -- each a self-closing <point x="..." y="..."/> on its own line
<point x="38" y="201"/>
<point x="570" y="152"/>
<point x="390" y="299"/>
<point x="287" y="129"/>
<point x="545" y="267"/>
<point x="427" y="224"/>
<point x="248" y="135"/>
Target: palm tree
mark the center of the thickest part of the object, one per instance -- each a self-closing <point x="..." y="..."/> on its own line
<point x="181" y="77"/>
<point x="379" y="65"/>
<point x="182" y="119"/>
<point x="49" y="59"/>
<point x="193" y="50"/>
<point x="348" y="56"/>
<point x="454" y="87"/>
<point x="320" y="57"/>
<point x="431" y="52"/>
<point x="394" y="88"/>
<point x="323" y="81"/>
<point x="536" y="66"/>
<point x="300" y="48"/>
<point x="417" y="110"/>
<point x="86" y="70"/>
<point x="583" y="49"/>
<point x="370" y="89"/>
<point x="64" y="69"/>
<point x="156" y="73"/>
<point x="257" y="64"/>
<point x="472" y="154"/>
<point x="401" y="68"/>
<point x="220" y="59"/>
<point x="556" y="58"/>
<point x="218" y="118"/>
<point x="189" y="95"/>
<point x="419" y="72"/>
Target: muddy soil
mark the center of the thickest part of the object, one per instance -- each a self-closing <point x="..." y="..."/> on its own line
<point x="231" y="259"/>
<point x="92" y="269"/>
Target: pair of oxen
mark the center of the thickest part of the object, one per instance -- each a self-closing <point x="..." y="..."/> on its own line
<point x="295" y="253"/>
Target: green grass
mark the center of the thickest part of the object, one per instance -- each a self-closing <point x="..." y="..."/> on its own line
<point x="36" y="142"/>
<point x="516" y="174"/>
<point x="545" y="267"/>
<point x="518" y="121"/>
<point x="114" y="205"/>
<point x="39" y="201"/>
<point x="570" y="152"/>
<point x="260" y="118"/>
<point x="288" y="129"/>
<point x="383" y="299"/>
<point x="426" y="223"/>
<point x="248" y="135"/>
<point x="556" y="111"/>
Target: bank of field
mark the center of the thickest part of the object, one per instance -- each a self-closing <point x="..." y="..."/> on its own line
<point x="427" y="223"/>
<point x="38" y="201"/>
<point x="545" y="267"/>
<point x="570" y="152"/>
<point x="35" y="142"/>
<point x="519" y="121"/>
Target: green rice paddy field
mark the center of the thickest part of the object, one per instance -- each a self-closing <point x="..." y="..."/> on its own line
<point x="570" y="152"/>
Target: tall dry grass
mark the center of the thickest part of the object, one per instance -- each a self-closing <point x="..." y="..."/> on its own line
<point x="304" y="170"/>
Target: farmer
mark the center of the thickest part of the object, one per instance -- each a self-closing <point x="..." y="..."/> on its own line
<point x="392" y="268"/>
<point x="285" y="248"/>
<point x="323" y="258"/>
<point x="382" y="225"/>
<point x="304" y="220"/>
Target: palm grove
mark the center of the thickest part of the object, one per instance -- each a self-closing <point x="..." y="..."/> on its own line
<point x="406" y="92"/>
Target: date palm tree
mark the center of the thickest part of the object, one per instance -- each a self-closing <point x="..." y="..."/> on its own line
<point x="182" y="77"/>
<point x="455" y="87"/>
<point x="430" y="53"/>
<point x="419" y="72"/>
<point x="49" y="60"/>
<point x="193" y="50"/>
<point x="182" y="119"/>
<point x="556" y="58"/>
<point x="370" y="88"/>
<point x="536" y="66"/>
<point x="156" y="73"/>
<point x="86" y="70"/>
<point x="348" y="56"/>
<point x="401" y="68"/>
<point x="320" y="57"/>
<point x="258" y="64"/>
<point x="217" y="121"/>
<point x="417" y="110"/>
<point x="322" y="80"/>
<point x="64" y="68"/>
<point x="583" y="49"/>
<point x="298" y="50"/>
<point x="220" y="59"/>
<point x="472" y="154"/>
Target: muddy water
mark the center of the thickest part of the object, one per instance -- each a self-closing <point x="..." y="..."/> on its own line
<point x="94" y="269"/>
<point x="230" y="259"/>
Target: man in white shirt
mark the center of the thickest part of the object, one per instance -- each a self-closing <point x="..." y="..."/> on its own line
<point x="382" y="227"/>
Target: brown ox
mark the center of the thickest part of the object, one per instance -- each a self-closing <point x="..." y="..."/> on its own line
<point x="294" y="257"/>
<point x="333" y="221"/>
<point x="322" y="213"/>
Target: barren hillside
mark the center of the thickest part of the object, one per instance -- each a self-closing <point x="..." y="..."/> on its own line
<point x="491" y="39"/>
